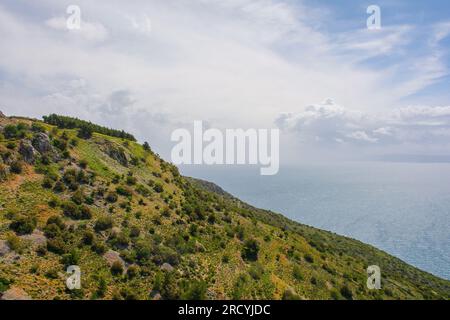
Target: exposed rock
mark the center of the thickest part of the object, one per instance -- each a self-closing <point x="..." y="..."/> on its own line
<point x="41" y="143"/>
<point x="4" y="248"/>
<point x="112" y="256"/>
<point x="27" y="151"/>
<point x="2" y="115"/>
<point x="37" y="238"/>
<point x="115" y="231"/>
<point x="4" y="171"/>
<point x="118" y="154"/>
<point x="15" y="294"/>
<point x="167" y="267"/>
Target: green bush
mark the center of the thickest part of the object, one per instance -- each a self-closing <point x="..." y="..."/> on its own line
<point x="10" y="131"/>
<point x="47" y="183"/>
<point x="16" y="167"/>
<point x="194" y="290"/>
<point x="250" y="250"/>
<point x="117" y="268"/>
<point x="71" y="258"/>
<point x="23" y="224"/>
<point x="124" y="191"/>
<point x="59" y="187"/>
<point x="56" y="245"/>
<point x="346" y="292"/>
<point x="88" y="238"/>
<point x="15" y="243"/>
<point x="111" y="197"/>
<point x="103" y="223"/>
<point x="158" y="187"/>
<point x="132" y="272"/>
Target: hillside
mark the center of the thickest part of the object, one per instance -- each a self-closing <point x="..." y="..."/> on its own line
<point x="80" y="194"/>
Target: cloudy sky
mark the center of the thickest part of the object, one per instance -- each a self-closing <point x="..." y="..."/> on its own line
<point x="310" y="68"/>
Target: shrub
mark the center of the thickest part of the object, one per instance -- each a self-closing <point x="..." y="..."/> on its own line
<point x="124" y="191"/>
<point x="297" y="273"/>
<point x="250" y="250"/>
<point x="85" y="132"/>
<point x="83" y="164"/>
<point x="85" y="213"/>
<point x="131" y="181"/>
<point x="225" y="258"/>
<point x="211" y="218"/>
<point x="143" y="191"/>
<point x="36" y="127"/>
<point x="133" y="271"/>
<point x="103" y="223"/>
<point x="309" y="258"/>
<point x="194" y="290"/>
<point x="88" y="238"/>
<point x="346" y="292"/>
<point x="158" y="187"/>
<point x="47" y="183"/>
<point x="10" y="131"/>
<point x="71" y="210"/>
<point x="256" y="271"/>
<point x="56" y="245"/>
<point x="16" y="167"/>
<point x="71" y="258"/>
<point x="57" y="221"/>
<point x="111" y="197"/>
<point x="143" y="251"/>
<point x="135" y="232"/>
<point x="15" y="243"/>
<point x="117" y="268"/>
<point x="98" y="247"/>
<point x="52" y="231"/>
<point x="23" y="224"/>
<point x="120" y="240"/>
<point x="59" y="187"/>
<point x="78" y="197"/>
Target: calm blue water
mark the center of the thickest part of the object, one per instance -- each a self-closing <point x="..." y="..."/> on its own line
<point x="401" y="208"/>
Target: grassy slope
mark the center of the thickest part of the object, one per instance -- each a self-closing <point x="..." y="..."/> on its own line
<point x="204" y="244"/>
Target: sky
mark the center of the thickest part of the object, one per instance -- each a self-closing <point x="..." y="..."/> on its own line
<point x="312" y="69"/>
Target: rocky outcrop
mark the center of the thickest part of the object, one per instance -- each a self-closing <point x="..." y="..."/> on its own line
<point x="4" y="171"/>
<point x="117" y="154"/>
<point x="167" y="267"/>
<point x="2" y="115"/>
<point x="4" y="248"/>
<point x="112" y="256"/>
<point x="15" y="294"/>
<point x="37" y="238"/>
<point x="41" y="143"/>
<point x="27" y="151"/>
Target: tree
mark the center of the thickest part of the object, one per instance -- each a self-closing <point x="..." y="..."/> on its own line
<point x="146" y="146"/>
<point x="85" y="132"/>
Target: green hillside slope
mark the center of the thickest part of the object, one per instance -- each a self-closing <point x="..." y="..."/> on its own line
<point x="139" y="230"/>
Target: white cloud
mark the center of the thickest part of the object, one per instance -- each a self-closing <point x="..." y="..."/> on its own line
<point x="89" y="31"/>
<point x="331" y="124"/>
